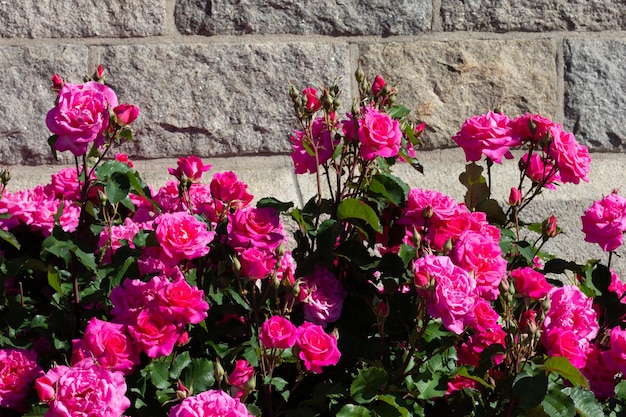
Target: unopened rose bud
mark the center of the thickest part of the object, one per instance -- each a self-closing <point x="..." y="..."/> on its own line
<point x="295" y="290"/>
<point x="218" y="371"/>
<point x="386" y="91"/>
<point x="5" y="176"/>
<point x="336" y="103"/>
<point x="236" y="263"/>
<point x="99" y="74"/>
<point x="183" y="392"/>
<point x="417" y="238"/>
<point x="549" y="228"/>
<point x="126" y="113"/>
<point x="293" y="92"/>
<point x="447" y="247"/>
<point x="515" y="197"/>
<point x="57" y="82"/>
<point x="427" y="212"/>
<point x="327" y="101"/>
<point x="183" y="339"/>
<point x="45" y="389"/>
<point x="250" y="385"/>
<point x="378" y="84"/>
<point x="359" y="74"/>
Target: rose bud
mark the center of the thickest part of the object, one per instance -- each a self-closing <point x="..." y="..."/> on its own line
<point x="126" y="113"/>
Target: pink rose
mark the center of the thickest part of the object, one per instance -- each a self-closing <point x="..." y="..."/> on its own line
<point x="454" y="295"/>
<point x="126" y="113"/>
<point x="379" y="135"/>
<point x="530" y="283"/>
<point x="256" y="264"/>
<point x="309" y="152"/>
<point x="239" y="377"/>
<point x="312" y="102"/>
<point x="484" y="316"/>
<point x="316" y="348"/>
<point x="258" y="227"/>
<point x="604" y="222"/>
<point x="563" y="342"/>
<point x="277" y="332"/>
<point x="322" y="294"/>
<point x="189" y="168"/>
<point x="540" y="169"/>
<point x="185" y="303"/>
<point x="533" y="128"/>
<point x="108" y="344"/>
<point x="515" y="197"/>
<point x="84" y="389"/>
<point x="182" y="237"/>
<point x="617" y="353"/>
<point x="571" y="158"/>
<point x="155" y="333"/>
<point x="212" y="403"/>
<point x="378" y="84"/>
<point x="600" y="372"/>
<point x="227" y="189"/>
<point x="18" y="370"/>
<point x="81" y="116"/>
<point x="487" y="134"/>
<point x="469" y="352"/>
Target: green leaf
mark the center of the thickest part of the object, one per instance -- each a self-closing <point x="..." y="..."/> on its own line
<point x="351" y="410"/>
<point x="366" y="385"/>
<point x="432" y="385"/>
<point x="37" y="411"/>
<point x="557" y="404"/>
<point x="392" y="408"/>
<point x="9" y="238"/>
<point x="159" y="374"/>
<point x="277" y="205"/>
<point x="117" y="187"/>
<point x="392" y="188"/>
<point x="181" y="362"/>
<point x="54" y="278"/>
<point x="199" y="375"/>
<point x="585" y="402"/>
<point x="531" y="390"/>
<point x="52" y="140"/>
<point x="563" y="367"/>
<point x="398" y="111"/>
<point x="353" y="208"/>
<point x="476" y="184"/>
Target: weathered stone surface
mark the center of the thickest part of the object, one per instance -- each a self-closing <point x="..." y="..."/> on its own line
<point x="444" y="83"/>
<point x="217" y="99"/>
<point x="25" y="79"/>
<point x="81" y="18"/>
<point x="595" y="92"/>
<point x="533" y="15"/>
<point x="336" y="17"/>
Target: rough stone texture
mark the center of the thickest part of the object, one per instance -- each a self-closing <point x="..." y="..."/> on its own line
<point x="595" y="92"/>
<point x="81" y="18"/>
<point x="533" y="15"/>
<point x="444" y="83"/>
<point x="333" y="17"/>
<point x="217" y="99"/>
<point x="25" y="79"/>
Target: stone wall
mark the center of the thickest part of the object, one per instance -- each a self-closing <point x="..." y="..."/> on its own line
<point x="211" y="76"/>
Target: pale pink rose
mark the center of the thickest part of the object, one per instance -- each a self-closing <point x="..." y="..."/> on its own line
<point x="571" y="310"/>
<point x="84" y="389"/>
<point x="484" y="316"/>
<point x="322" y="295"/>
<point x="256" y="264"/>
<point x="530" y="283"/>
<point x="312" y="102"/>
<point x="540" y="169"/>
<point x="277" y="332"/>
<point x="600" y="373"/>
<point x="239" y="377"/>
<point x="255" y="227"/>
<point x="604" y="222"/>
<point x="182" y="237"/>
<point x="321" y="146"/>
<point x="481" y="256"/>
<point x="227" y="189"/>
<point x="316" y="348"/>
<point x="126" y="113"/>
<point x="189" y="168"/>
<point x="571" y="158"/>
<point x="379" y="134"/>
<point x="212" y="403"/>
<point x="81" y="116"/>
<point x="18" y="370"/>
<point x="487" y="134"/>
<point x="186" y="304"/>
<point x="454" y="294"/>
<point x="565" y="343"/>
<point x="154" y="332"/>
<point x="108" y="344"/>
<point x="469" y="352"/>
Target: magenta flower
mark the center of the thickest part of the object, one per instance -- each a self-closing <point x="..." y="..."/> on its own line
<point x="181" y="236"/>
<point x="379" y="134"/>
<point x="18" y="370"/>
<point x="487" y="134"/>
<point x="212" y="403"/>
<point x="316" y="347"/>
<point x="604" y="222"/>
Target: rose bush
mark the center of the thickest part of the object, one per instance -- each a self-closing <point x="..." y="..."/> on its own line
<point x="187" y="300"/>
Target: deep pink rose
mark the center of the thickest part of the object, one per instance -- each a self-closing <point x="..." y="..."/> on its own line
<point x="108" y="344"/>
<point x="81" y="116"/>
<point x="155" y="333"/>
<point x="18" y="370"/>
<point x="487" y="134"/>
<point x="227" y="189"/>
<point x="484" y="316"/>
<point x="126" y="113"/>
<point x="212" y="403"/>
<point x="454" y="294"/>
<point x="565" y="343"/>
<point x="530" y="283"/>
<point x="469" y="352"/>
<point x="255" y="227"/>
<point x="540" y="169"/>
<point x="312" y="102"/>
<point x="277" y="332"/>
<point x="604" y="222"/>
<point x="316" y="347"/>
<point x="571" y="158"/>
<point x="600" y="373"/>
<point x="84" y="389"/>
<point x="533" y="128"/>
<point x="189" y="168"/>
<point x="322" y="294"/>
<point x="181" y="237"/>
<point x="185" y="303"/>
<point x="320" y="147"/>
<point x="379" y="134"/>
<point x="378" y="84"/>
<point x="239" y="377"/>
<point x="256" y="264"/>
<point x="617" y="353"/>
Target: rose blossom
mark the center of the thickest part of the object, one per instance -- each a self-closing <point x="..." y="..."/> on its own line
<point x="316" y="348"/>
<point x="239" y="377"/>
<point x="322" y="294"/>
<point x="564" y="342"/>
<point x="154" y="332"/>
<point x="277" y="332"/>
<point x="312" y="102"/>
<point x="108" y="344"/>
<point x="226" y="188"/>
<point x="185" y="303"/>
<point x="454" y="294"/>
<point x="321" y="145"/>
<point x="600" y="372"/>
<point x="18" y="369"/>
<point x="258" y="227"/>
<point x="256" y="264"/>
<point x="126" y="113"/>
<point x="469" y="352"/>
<point x="487" y="134"/>
<point x="604" y="222"/>
<point x="181" y="236"/>
<point x="533" y="127"/>
<point x="571" y="158"/>
<point x="530" y="283"/>
<point x="379" y="134"/>
<point x="616" y="356"/>
<point x="189" y="168"/>
<point x="81" y="116"/>
<point x="540" y="169"/>
<point x="485" y="317"/>
<point x="84" y="389"/>
<point x="211" y="403"/>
